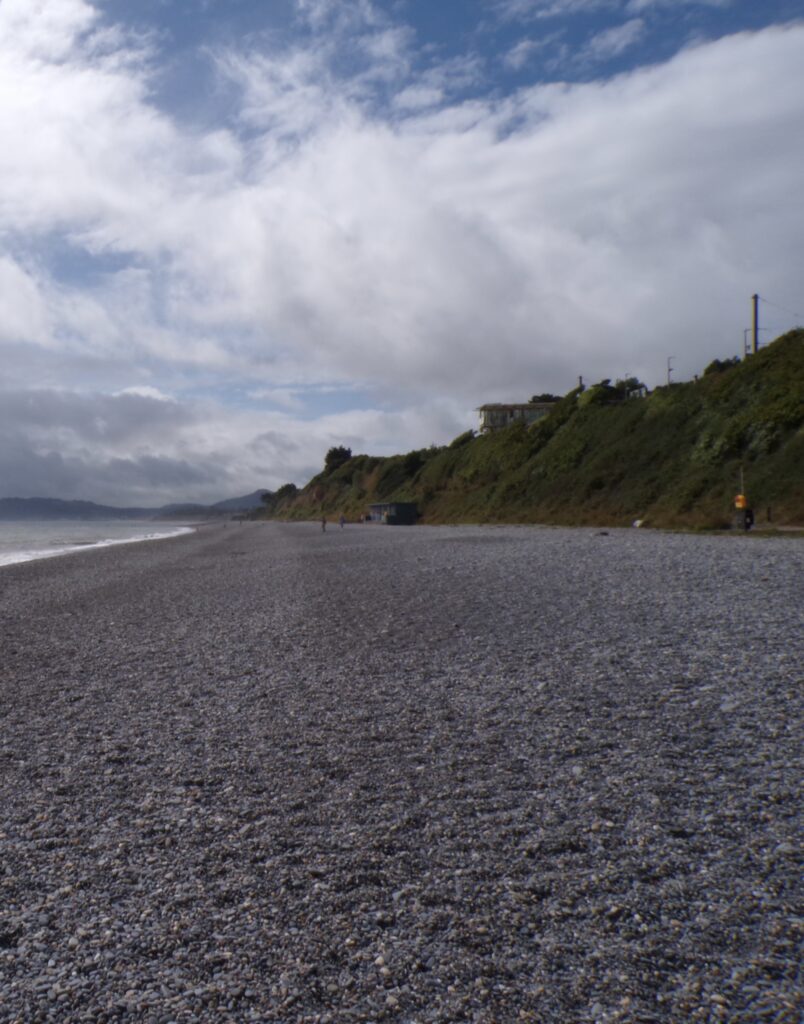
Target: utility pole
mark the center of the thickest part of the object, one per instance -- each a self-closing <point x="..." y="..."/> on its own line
<point x="755" y="300"/>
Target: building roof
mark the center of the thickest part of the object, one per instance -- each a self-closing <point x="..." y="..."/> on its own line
<point x="500" y="406"/>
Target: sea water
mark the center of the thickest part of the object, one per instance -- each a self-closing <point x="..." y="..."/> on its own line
<point x="27" y="540"/>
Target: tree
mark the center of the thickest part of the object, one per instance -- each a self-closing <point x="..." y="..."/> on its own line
<point x="603" y="393"/>
<point x="336" y="457"/>
<point x="719" y="365"/>
<point x="546" y="397"/>
<point x="631" y="386"/>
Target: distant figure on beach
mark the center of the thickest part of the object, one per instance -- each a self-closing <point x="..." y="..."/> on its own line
<point x="342" y="520"/>
<point x="745" y="515"/>
<point x="323" y="524"/>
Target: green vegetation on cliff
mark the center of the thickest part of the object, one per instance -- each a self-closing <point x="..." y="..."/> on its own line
<point x="671" y="458"/>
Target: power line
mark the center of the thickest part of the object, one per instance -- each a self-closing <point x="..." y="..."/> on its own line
<point x="784" y="309"/>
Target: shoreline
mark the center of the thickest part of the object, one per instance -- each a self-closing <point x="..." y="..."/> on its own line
<point x="274" y="774"/>
<point x="76" y="546"/>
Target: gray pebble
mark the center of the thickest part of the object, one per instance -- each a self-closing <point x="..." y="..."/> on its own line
<point x="425" y="774"/>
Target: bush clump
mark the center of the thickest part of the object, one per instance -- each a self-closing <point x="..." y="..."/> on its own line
<point x="336" y="457"/>
<point x="721" y="365"/>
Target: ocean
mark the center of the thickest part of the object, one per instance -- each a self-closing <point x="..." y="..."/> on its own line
<point x="27" y="540"/>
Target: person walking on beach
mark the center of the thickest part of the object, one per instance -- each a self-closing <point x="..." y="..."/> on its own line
<point x="323" y="524"/>
<point x="342" y="520"/>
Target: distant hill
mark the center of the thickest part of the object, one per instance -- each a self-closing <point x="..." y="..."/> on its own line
<point x="670" y="458"/>
<point x="244" y="504"/>
<point x="56" y="508"/>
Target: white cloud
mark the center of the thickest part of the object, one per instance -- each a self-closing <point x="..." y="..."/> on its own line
<point x="528" y="10"/>
<point x="340" y="15"/>
<point x="613" y="41"/>
<point x="638" y="6"/>
<point x="44" y="29"/>
<point x="387" y="51"/>
<point x="438" y="255"/>
<point x="286" y="398"/>
<point x="552" y="47"/>
<point x="418" y="97"/>
<point x="25" y="315"/>
<point x="520" y="54"/>
<point x="394" y="254"/>
<point x="145" y="391"/>
<point x="434" y="87"/>
<point x="524" y="10"/>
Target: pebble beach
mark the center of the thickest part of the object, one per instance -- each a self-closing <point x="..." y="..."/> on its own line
<point x="430" y="774"/>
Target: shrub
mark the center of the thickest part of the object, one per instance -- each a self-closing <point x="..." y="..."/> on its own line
<point x="412" y="463"/>
<point x="462" y="439"/>
<point x="336" y="457"/>
<point x="720" y="365"/>
<point x="600" y="394"/>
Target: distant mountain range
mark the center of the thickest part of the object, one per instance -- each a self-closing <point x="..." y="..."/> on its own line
<point x="56" y="508"/>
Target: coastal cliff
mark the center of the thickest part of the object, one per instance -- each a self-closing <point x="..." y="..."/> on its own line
<point x="673" y="457"/>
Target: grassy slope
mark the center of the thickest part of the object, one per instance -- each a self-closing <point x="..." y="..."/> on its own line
<point x="672" y="458"/>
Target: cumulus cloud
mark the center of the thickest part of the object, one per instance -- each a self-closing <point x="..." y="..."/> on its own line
<point x="517" y="223"/>
<point x="353" y="228"/>
<point x="48" y="31"/>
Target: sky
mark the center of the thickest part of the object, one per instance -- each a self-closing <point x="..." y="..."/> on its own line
<point x="236" y="233"/>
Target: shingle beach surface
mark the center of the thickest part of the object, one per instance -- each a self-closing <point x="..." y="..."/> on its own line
<point x="265" y="773"/>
